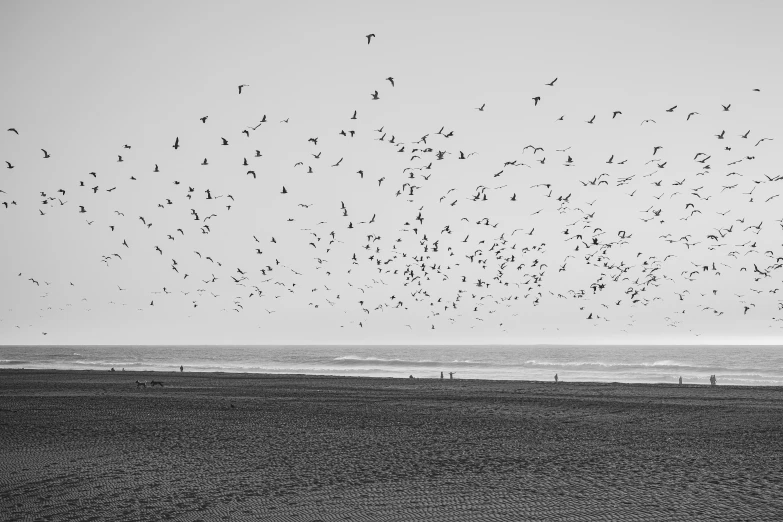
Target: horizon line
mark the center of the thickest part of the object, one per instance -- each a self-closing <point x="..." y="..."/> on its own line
<point x="294" y="345"/>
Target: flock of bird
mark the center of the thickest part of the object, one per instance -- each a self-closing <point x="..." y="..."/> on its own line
<point x="442" y="255"/>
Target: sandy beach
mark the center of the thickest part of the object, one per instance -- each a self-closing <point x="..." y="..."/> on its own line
<point x="88" y="445"/>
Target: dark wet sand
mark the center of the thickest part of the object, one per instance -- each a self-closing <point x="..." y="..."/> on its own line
<point x="91" y="446"/>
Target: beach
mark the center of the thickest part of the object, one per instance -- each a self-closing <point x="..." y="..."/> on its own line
<point x="91" y="445"/>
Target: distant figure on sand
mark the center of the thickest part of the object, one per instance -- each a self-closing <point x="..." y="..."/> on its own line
<point x="555" y="378"/>
<point x="713" y="380"/>
<point x="181" y="369"/>
<point x="441" y="375"/>
<point x="451" y="375"/>
<point x="680" y="380"/>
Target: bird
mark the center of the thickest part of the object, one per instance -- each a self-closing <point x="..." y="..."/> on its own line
<point x="481" y="108"/>
<point x="375" y="95"/>
<point x="46" y="154"/>
<point x="240" y="87"/>
<point x="176" y="142"/>
<point x="536" y="99"/>
<point x="552" y="83"/>
<point x="391" y="80"/>
<point x="370" y="37"/>
<point x="13" y="130"/>
<point x="726" y="107"/>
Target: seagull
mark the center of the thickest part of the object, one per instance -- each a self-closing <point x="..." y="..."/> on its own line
<point x="374" y="95"/>
<point x="552" y="83"/>
<point x="46" y="154"/>
<point x="13" y="130"/>
<point x="536" y="100"/>
<point x="726" y="107"/>
<point x="240" y="87"/>
<point x="369" y="37"/>
<point x="176" y="142"/>
<point x="391" y="80"/>
<point x="690" y="114"/>
<point x="481" y="108"/>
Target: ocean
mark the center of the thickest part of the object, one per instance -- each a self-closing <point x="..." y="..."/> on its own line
<point x="733" y="365"/>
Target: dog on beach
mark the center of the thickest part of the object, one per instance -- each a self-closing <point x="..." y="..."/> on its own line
<point x="141" y="384"/>
<point x="156" y="383"/>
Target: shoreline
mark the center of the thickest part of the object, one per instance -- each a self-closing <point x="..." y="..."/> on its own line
<point x="259" y="375"/>
<point x="79" y="444"/>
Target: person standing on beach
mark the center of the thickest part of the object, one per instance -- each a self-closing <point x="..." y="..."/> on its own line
<point x="451" y="375"/>
<point x="555" y="378"/>
<point x="441" y="375"/>
<point x="680" y="380"/>
<point x="181" y="369"/>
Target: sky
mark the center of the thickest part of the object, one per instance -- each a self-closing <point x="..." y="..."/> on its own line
<point x="597" y="252"/>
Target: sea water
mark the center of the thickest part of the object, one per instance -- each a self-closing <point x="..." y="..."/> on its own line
<point x="737" y="365"/>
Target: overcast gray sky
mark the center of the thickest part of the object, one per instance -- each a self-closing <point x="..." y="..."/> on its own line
<point x="83" y="79"/>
